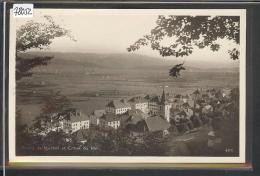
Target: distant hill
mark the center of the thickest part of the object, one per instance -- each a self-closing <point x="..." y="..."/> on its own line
<point x="125" y="61"/>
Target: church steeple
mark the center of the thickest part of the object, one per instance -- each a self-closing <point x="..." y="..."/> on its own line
<point x="163" y="99"/>
<point x="165" y="107"/>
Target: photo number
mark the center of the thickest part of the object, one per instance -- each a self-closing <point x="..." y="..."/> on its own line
<point x="23" y="10"/>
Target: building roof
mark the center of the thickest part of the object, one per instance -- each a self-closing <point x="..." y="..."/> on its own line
<point x="152" y="98"/>
<point x="136" y="116"/>
<point x="226" y="91"/>
<point x="118" y="104"/>
<point x="81" y="117"/>
<point x="133" y="116"/>
<point x="67" y="113"/>
<point x="74" y="115"/>
<point x="138" y="99"/>
<point x="110" y="117"/>
<point x="177" y="96"/>
<point x="182" y="113"/>
<point x="149" y="96"/>
<point x="189" y="112"/>
<point x="175" y="111"/>
<point x="135" y="112"/>
<point x="155" y="99"/>
<point x="196" y="92"/>
<point x="156" y="123"/>
<point x="186" y="104"/>
<point x="207" y="107"/>
<point x="186" y="96"/>
<point x="98" y="113"/>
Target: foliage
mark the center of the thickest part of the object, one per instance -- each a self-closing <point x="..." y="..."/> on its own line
<point x="54" y="138"/>
<point x="36" y="35"/>
<point x="175" y="71"/>
<point x="228" y="128"/>
<point x="24" y="66"/>
<point x="39" y="35"/>
<point x="188" y="32"/>
<point x="155" y="145"/>
<point x="121" y="143"/>
<point x="53" y="104"/>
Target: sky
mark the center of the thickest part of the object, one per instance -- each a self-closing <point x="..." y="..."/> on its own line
<point x="112" y="31"/>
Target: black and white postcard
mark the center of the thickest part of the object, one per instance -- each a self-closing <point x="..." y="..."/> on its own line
<point x="128" y="86"/>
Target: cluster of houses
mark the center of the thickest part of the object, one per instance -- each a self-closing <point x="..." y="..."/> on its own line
<point x="150" y="113"/>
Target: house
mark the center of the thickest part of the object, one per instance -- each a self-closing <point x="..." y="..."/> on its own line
<point x="196" y="94"/>
<point x="74" y="120"/>
<point x="95" y="116"/>
<point x="185" y="98"/>
<point x="155" y="124"/>
<point x="153" y="102"/>
<point x="189" y="113"/>
<point x="226" y="92"/>
<point x="110" y="120"/>
<point x="132" y="117"/>
<point x="178" y="97"/>
<point x="177" y="103"/>
<point x="181" y="102"/>
<point x="211" y="93"/>
<point x="196" y="106"/>
<point x="201" y="103"/>
<point x="118" y="107"/>
<point x="186" y="105"/>
<point x="51" y="122"/>
<point x="139" y="103"/>
<point x="178" y="117"/>
<point x="207" y="109"/>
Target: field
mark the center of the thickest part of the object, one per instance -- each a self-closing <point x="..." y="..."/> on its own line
<point x="91" y="81"/>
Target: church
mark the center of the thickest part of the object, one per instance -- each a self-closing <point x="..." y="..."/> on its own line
<point x="164" y="107"/>
<point x="159" y="105"/>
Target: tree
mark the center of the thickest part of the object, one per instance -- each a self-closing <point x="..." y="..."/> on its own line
<point x="188" y="32"/>
<point x="36" y="35"/>
<point x="234" y="96"/>
<point x="155" y="145"/>
<point x="175" y="71"/>
<point x="54" y="104"/>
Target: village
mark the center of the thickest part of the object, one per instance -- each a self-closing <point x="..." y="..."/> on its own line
<point x="154" y="114"/>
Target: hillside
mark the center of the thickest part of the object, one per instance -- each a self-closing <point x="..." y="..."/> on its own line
<point x="79" y="61"/>
<point x="82" y="76"/>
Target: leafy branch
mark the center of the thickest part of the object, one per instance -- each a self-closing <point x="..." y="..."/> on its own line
<point x="186" y="33"/>
<point x="36" y="35"/>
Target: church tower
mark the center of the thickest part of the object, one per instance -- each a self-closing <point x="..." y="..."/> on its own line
<point x="165" y="107"/>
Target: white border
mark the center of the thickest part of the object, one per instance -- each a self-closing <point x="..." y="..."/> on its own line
<point x="136" y="159"/>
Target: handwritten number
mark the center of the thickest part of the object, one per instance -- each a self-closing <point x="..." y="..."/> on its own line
<point x="22" y="11"/>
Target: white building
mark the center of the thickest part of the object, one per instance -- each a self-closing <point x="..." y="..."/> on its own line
<point x="118" y="107"/>
<point x="153" y="103"/>
<point x="114" y="124"/>
<point x="74" y="120"/>
<point x="110" y="120"/>
<point x="139" y="103"/>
